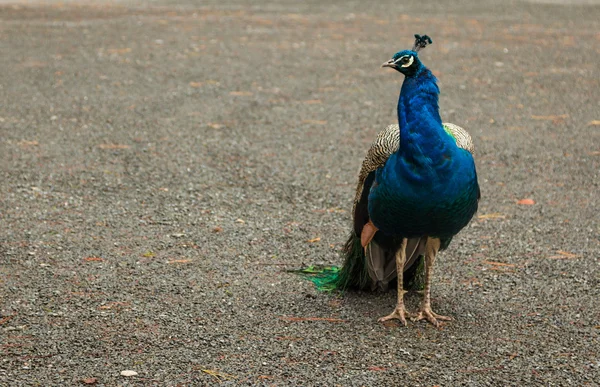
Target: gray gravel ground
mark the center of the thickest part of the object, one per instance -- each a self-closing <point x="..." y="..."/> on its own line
<point x="163" y="163"/>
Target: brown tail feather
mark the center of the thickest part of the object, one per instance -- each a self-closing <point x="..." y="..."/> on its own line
<point x="381" y="263"/>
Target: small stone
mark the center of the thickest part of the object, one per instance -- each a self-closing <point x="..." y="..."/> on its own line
<point x="128" y="373"/>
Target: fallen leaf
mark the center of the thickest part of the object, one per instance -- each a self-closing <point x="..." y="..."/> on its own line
<point x="89" y="381"/>
<point x="114" y="304"/>
<point x="330" y="210"/>
<point x="214" y="125"/>
<point x="327" y="319"/>
<point x="564" y="255"/>
<point x="148" y="254"/>
<point x="314" y="240"/>
<point x="494" y="215"/>
<point x="4" y="320"/>
<point x="218" y="375"/>
<point x="128" y="373"/>
<point x="217" y="229"/>
<point x="553" y="118"/>
<point x="33" y="64"/>
<point x="376" y="368"/>
<point x="567" y="254"/>
<point x="93" y="259"/>
<point x="472" y="282"/>
<point x="196" y="84"/>
<point x="179" y="261"/>
<point x="118" y="50"/>
<point x="499" y="264"/>
<point x="315" y="122"/>
<point x="25" y="143"/>
<point x="241" y="93"/>
<point x="312" y="101"/>
<point x="113" y="146"/>
<point x="594" y="123"/>
<point x="526" y="202"/>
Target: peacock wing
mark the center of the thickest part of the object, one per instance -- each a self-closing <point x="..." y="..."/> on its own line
<point x="462" y="137"/>
<point x="386" y="143"/>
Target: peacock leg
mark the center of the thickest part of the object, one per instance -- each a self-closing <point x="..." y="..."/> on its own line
<point x="400" y="311"/>
<point x="425" y="312"/>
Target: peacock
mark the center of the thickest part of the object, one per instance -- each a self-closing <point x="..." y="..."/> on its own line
<point x="417" y="188"/>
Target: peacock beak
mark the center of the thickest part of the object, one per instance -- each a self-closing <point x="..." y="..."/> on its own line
<point x="389" y="63"/>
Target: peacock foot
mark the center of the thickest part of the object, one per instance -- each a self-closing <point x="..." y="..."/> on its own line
<point x="399" y="313"/>
<point x="425" y="312"/>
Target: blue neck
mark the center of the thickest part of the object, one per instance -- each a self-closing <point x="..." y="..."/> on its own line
<point x="424" y="144"/>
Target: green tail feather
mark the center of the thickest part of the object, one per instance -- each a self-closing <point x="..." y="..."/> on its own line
<point x="323" y="277"/>
<point x="354" y="274"/>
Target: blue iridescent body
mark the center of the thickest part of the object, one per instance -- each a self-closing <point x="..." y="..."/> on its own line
<point x="429" y="186"/>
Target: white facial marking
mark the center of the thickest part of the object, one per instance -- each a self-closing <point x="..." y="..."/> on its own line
<point x="410" y="62"/>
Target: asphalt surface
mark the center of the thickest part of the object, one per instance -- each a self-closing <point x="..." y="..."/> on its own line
<point x="163" y="163"/>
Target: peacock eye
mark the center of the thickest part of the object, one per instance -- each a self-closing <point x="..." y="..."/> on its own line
<point x="405" y="61"/>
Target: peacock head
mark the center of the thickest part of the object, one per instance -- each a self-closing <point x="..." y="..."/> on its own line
<point x="407" y="61"/>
